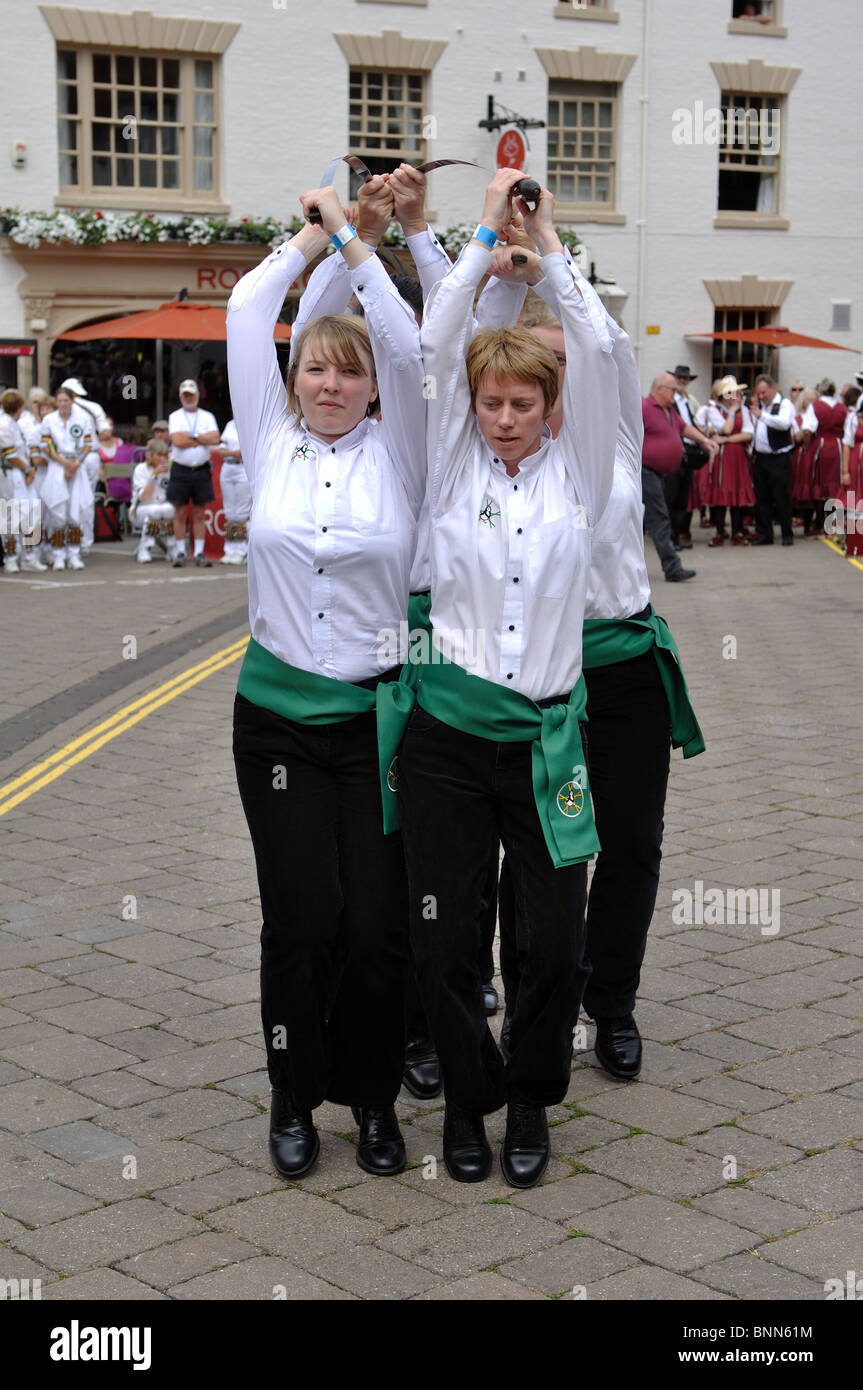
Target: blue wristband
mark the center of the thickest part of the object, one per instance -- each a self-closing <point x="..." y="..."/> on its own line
<point x="486" y="236"/>
<point x="343" y="236"/>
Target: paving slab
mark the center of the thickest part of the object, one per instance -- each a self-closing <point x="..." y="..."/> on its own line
<point x="105" y="1235"/>
<point x="665" y="1233"/>
<point x="467" y="1242"/>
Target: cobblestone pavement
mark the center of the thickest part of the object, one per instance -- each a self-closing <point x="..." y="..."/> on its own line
<point x="133" y="1160"/>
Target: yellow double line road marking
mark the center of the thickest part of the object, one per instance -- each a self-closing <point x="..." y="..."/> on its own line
<point x="840" y="550"/>
<point x="18" y="790"/>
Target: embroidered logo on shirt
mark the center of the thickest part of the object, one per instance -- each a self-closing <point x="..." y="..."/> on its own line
<point x="393" y="775"/>
<point x="302" y="453"/>
<point x="570" y="799"/>
<point x="487" y="513"/>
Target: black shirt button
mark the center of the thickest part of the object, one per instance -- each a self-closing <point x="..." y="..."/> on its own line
<point x="515" y="487"/>
<point x="323" y="528"/>
<point x="320" y="571"/>
<point x="333" y="449"/>
<point x="496" y="460"/>
<point x="327" y="484"/>
<point x="518" y="531"/>
<point x="509" y="675"/>
<point x="320" y="615"/>
<point x="512" y="627"/>
<point x="515" y="580"/>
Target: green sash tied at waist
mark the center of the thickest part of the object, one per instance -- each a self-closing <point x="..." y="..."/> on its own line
<point x="558" y="767"/>
<point x="606" y="640"/>
<point x="419" y="612"/>
<point x="309" y="698"/>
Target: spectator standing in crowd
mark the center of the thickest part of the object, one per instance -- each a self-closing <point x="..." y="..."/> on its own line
<point x="852" y="445"/>
<point x="150" y="507"/>
<point x="193" y="433"/>
<point x="664" y="432"/>
<point x="236" y="497"/>
<point x="732" y="480"/>
<point x="161" y="430"/>
<point x="802" y="460"/>
<point x="773" y="443"/>
<point x="17" y="484"/>
<point x="678" y="485"/>
<point x="67" y="441"/>
<point x="824" y="425"/>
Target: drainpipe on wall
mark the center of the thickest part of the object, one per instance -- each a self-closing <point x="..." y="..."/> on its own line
<point x="641" y="268"/>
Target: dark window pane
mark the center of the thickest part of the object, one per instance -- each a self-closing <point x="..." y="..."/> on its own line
<point x="203" y="74"/>
<point x="67" y="64"/>
<point x="170" y="174"/>
<point x="68" y="170"/>
<point x="147" y="173"/>
<point x="101" y="136"/>
<point x="170" y="72"/>
<point x="149" y="72"/>
<point x="147" y="139"/>
<point x="67" y="135"/>
<point x="126" y="104"/>
<point x="102" y="102"/>
<point x="149" y="106"/>
<point x="125" y="70"/>
<point x="170" y="108"/>
<point x="67" y="100"/>
<point x="124" y="138"/>
<point x="125" y="173"/>
<point x="170" y="143"/>
<point x="101" y="171"/>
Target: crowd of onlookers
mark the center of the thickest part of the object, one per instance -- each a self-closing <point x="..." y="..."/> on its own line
<point x="67" y="479"/>
<point x="748" y="459"/>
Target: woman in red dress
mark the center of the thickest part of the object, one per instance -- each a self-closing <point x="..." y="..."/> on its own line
<point x="824" y="424"/>
<point x="852" y="446"/>
<point x="732" y="479"/>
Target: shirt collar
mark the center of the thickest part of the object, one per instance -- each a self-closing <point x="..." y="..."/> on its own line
<point x="528" y="465"/>
<point x="347" y="441"/>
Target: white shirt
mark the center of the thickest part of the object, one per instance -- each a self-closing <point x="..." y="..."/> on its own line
<point x="850" y="432"/>
<point x="143" y="475"/>
<point x="74" y="436"/>
<point x="785" y="420"/>
<point x="709" y="416"/>
<point x="810" y="419"/>
<point x="681" y="400"/>
<point x="194" y="422"/>
<point x="617" y="584"/>
<point x="13" y="440"/>
<point x="332" y="527"/>
<point x="510" y="556"/>
<point x="230" y="441"/>
<point x="98" y="418"/>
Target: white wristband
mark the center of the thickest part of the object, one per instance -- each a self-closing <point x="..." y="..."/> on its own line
<point x="343" y="236"/>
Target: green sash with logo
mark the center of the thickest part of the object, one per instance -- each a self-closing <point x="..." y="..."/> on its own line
<point x="558" y="769"/>
<point x="606" y="640"/>
<point x="309" y="698"/>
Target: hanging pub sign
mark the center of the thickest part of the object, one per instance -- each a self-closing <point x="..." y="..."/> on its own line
<point x="512" y="149"/>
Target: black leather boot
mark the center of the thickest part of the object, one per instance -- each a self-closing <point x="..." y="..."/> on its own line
<point x="618" y="1046"/>
<point x="380" y="1147"/>
<point x="466" y="1152"/>
<point x="524" y="1156"/>
<point x="294" y="1141"/>
<point x="421" y="1075"/>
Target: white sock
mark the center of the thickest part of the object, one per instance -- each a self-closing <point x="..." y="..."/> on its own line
<point x="199" y="548"/>
<point x="180" y="547"/>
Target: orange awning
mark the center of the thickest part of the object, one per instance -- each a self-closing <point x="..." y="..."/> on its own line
<point x="177" y="320"/>
<point x="773" y="336"/>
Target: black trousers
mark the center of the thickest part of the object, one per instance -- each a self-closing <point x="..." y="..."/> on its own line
<point x="676" y="486"/>
<point x="628" y="752"/>
<point x="459" y="796"/>
<point x="657" y="521"/>
<point x="332" y="886"/>
<point x="771" y="480"/>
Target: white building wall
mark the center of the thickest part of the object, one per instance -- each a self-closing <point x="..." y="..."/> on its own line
<point x="284" y="115"/>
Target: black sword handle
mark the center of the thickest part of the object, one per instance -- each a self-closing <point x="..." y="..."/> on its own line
<point x="528" y="189"/>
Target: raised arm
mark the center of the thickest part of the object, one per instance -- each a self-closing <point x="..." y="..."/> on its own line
<point x="590" y="387"/>
<point x="258" y="393"/>
<point x="395" y="344"/>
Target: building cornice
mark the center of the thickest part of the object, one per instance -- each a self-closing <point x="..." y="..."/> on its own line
<point x="139" y="29"/>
